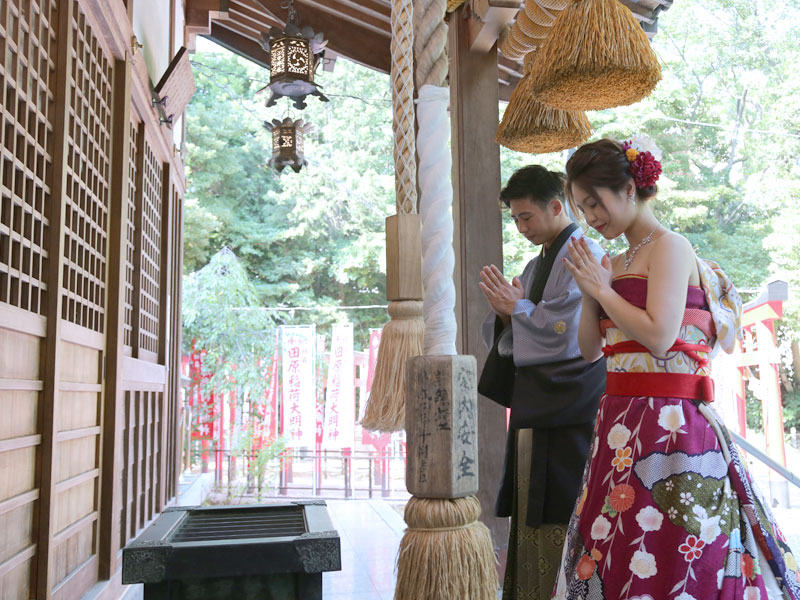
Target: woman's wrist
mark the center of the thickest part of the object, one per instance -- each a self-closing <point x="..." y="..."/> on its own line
<point x="603" y="295"/>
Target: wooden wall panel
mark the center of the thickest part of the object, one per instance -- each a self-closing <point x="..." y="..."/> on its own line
<point x="149" y="206"/>
<point x="84" y="247"/>
<point x="19" y="443"/>
<point x="20" y="355"/>
<point x="75" y="457"/>
<point x="128" y="262"/>
<point x="15" y="583"/>
<point x="88" y="173"/>
<point x="75" y="503"/>
<point x="19" y="409"/>
<point x="27" y="42"/>
<point x="79" y="410"/>
<point x="17" y="528"/>
<point x="74" y="551"/>
<point x="17" y="472"/>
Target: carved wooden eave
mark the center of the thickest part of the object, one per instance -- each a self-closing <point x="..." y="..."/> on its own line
<point x="198" y="16"/>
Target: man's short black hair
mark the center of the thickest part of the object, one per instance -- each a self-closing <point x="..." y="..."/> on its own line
<point x="534" y="182"/>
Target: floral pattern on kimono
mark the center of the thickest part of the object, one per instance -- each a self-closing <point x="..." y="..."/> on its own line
<point x="667" y="509"/>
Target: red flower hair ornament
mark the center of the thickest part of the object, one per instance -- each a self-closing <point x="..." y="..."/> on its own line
<point x="644" y="158"/>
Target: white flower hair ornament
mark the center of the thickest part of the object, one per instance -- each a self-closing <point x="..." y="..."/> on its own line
<point x="644" y="143"/>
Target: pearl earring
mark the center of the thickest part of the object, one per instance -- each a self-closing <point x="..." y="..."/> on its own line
<point x="631" y="200"/>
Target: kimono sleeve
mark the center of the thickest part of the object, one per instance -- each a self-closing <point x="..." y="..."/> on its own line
<point x="548" y="331"/>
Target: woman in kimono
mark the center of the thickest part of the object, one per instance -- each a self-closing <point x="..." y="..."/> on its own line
<point x="667" y="509"/>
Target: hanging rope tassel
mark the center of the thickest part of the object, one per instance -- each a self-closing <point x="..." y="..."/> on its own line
<point x="596" y="56"/>
<point x="402" y="337"/>
<point x="443" y="553"/>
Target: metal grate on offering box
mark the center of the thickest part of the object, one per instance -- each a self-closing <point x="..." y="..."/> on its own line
<point x="284" y="521"/>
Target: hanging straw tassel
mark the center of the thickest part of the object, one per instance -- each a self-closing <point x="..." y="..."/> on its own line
<point x="530" y="126"/>
<point x="446" y="553"/>
<point x="402" y="339"/>
<point x="597" y="56"/>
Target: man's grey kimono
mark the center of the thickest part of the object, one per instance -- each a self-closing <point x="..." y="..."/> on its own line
<point x="555" y="392"/>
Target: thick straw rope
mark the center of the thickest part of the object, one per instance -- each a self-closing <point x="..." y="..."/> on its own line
<point x="430" y="43"/>
<point x="402" y="70"/>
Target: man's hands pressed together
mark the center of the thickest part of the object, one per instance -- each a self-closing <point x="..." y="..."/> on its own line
<point x="502" y="296"/>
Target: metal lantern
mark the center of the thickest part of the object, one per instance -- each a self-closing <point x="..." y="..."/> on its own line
<point x="287" y="143"/>
<point x="294" y="53"/>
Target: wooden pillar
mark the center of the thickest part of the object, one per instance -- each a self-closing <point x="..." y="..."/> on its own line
<point x="114" y="409"/>
<point x="51" y="355"/>
<point x="164" y="334"/>
<point x="477" y="234"/>
<point x="174" y="359"/>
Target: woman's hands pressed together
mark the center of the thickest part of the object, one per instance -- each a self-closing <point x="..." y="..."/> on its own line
<point x="502" y="296"/>
<point x="591" y="276"/>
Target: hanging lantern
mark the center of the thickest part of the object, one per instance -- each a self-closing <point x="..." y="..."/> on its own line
<point x="287" y="143"/>
<point x="294" y="54"/>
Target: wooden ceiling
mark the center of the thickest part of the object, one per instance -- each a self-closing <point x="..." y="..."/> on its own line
<point x="356" y="29"/>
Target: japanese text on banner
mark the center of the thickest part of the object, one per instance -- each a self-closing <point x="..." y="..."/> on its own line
<point x="299" y="394"/>
<point x="340" y="409"/>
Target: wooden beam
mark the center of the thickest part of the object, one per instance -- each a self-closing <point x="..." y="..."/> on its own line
<point x="238" y="44"/>
<point x="138" y="232"/>
<point x="111" y="23"/>
<point x="350" y="13"/>
<point x="258" y="20"/>
<point x="477" y="233"/>
<point x="197" y="18"/>
<point x="493" y="15"/>
<point x="258" y="11"/>
<point x="242" y="30"/>
<point x="356" y="43"/>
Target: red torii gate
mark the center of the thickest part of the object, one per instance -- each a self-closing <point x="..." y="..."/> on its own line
<point x="759" y="350"/>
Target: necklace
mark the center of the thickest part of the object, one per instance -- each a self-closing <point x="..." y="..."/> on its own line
<point x="631" y="254"/>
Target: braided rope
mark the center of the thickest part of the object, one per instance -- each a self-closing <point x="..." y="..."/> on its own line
<point x="402" y="71"/>
<point x="430" y="42"/>
<point x="452" y="5"/>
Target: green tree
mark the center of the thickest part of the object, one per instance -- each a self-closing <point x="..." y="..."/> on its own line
<point x="219" y="321"/>
<point x="725" y="115"/>
<point x="313" y="238"/>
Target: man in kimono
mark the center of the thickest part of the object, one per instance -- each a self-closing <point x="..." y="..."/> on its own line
<point x="554" y="396"/>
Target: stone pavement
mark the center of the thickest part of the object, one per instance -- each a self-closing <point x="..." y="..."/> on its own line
<point x="370" y="532"/>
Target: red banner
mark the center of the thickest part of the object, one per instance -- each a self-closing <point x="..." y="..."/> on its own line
<point x="203" y="403"/>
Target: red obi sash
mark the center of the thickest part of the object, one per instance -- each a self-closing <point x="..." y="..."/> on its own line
<point x="671" y="385"/>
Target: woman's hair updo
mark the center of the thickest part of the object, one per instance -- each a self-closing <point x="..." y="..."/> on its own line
<point x="602" y="164"/>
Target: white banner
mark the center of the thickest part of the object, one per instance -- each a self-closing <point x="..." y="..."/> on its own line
<point x="299" y="413"/>
<point x="340" y="400"/>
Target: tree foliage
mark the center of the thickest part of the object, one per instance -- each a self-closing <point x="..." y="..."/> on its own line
<point x="313" y="238"/>
<point x="725" y="114"/>
<point x="221" y="319"/>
